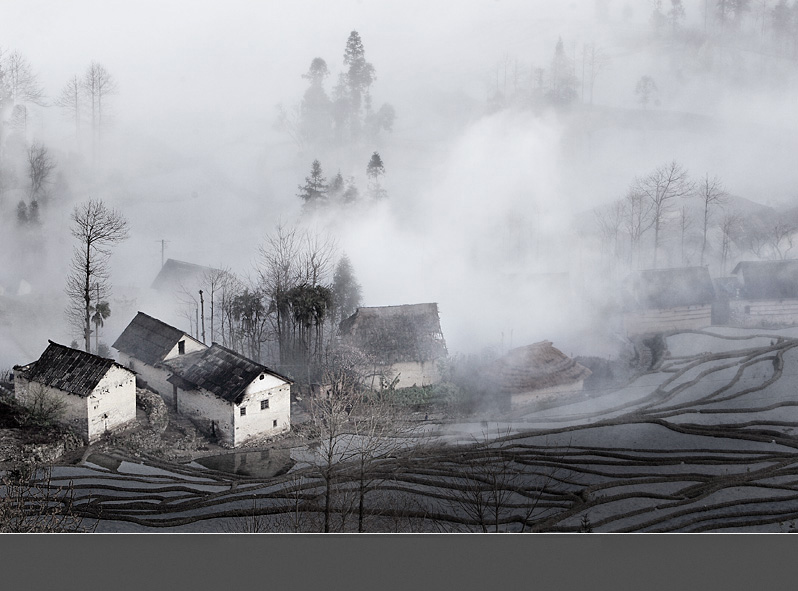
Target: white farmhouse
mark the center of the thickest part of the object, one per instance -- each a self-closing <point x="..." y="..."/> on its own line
<point x="659" y="300"/>
<point x="146" y="343"/>
<point x="405" y="342"/>
<point x="99" y="395"/>
<point x="767" y="294"/>
<point x="234" y="397"/>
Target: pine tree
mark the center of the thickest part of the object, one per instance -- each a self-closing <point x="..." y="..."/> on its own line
<point x="562" y="82"/>
<point x="316" y="107"/>
<point x="314" y="191"/>
<point x="359" y="77"/>
<point x="345" y="289"/>
<point x="375" y="170"/>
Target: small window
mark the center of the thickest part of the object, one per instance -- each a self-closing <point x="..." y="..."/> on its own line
<point x="274" y="423"/>
<point x="181" y="347"/>
<point x="262" y="376"/>
<point x="243" y="410"/>
<point x="264" y="404"/>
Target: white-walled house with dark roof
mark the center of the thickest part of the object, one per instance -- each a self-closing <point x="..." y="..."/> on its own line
<point x="229" y="395"/>
<point x="146" y="343"/>
<point x="98" y="394"/>
<point x="233" y="397"/>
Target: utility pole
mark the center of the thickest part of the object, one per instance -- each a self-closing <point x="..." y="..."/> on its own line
<point x="202" y="315"/>
<point x="163" y="248"/>
<point x="97" y="325"/>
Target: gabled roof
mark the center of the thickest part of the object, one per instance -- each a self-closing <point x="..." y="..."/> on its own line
<point x="535" y="367"/>
<point x="67" y="369"/>
<point x="179" y="274"/>
<point x="776" y="280"/>
<point x="148" y="339"/>
<point x="669" y="288"/>
<point x="393" y="334"/>
<point x="219" y="370"/>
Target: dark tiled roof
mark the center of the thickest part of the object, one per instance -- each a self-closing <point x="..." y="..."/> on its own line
<point x="669" y="288"/>
<point x="148" y="339"/>
<point x="775" y="280"/>
<point x="535" y="367"/>
<point x="219" y="370"/>
<point x="175" y="275"/>
<point x="70" y="370"/>
<point x="394" y="334"/>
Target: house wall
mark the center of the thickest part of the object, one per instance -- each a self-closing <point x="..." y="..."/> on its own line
<point x="112" y="404"/>
<point x="205" y="407"/>
<point x="191" y="346"/>
<point x="660" y="320"/>
<point x="231" y="427"/>
<point x="545" y="394"/>
<point x="75" y="412"/>
<point x="414" y="373"/>
<point x="257" y="422"/>
<point x="763" y="313"/>
<point x="154" y="376"/>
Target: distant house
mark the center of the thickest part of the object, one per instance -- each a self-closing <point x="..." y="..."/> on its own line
<point x="406" y="342"/>
<point x="146" y="343"/>
<point x="176" y="276"/>
<point x="767" y="294"/>
<point x="535" y="373"/>
<point x="234" y="397"/>
<point x="659" y="300"/>
<point x="99" y="395"/>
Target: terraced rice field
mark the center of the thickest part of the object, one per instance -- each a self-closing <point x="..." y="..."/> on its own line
<point x="705" y="442"/>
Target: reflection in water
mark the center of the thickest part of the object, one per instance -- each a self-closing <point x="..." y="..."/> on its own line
<point x="260" y="464"/>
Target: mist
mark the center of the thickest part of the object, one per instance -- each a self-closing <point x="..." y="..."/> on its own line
<point x="483" y="202"/>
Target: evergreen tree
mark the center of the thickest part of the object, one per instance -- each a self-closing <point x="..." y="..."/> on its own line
<point x="336" y="188"/>
<point x="562" y="81"/>
<point x="316" y="107"/>
<point x="374" y="170"/>
<point x="351" y="193"/>
<point x="22" y="213"/>
<point x="359" y="78"/>
<point x="345" y="289"/>
<point x="33" y="213"/>
<point x="314" y="191"/>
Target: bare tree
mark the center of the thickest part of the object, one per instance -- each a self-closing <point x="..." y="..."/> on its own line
<point x="595" y="60"/>
<point x="32" y="503"/>
<point x="98" y="84"/>
<point x="660" y="188"/>
<point x="781" y="239"/>
<point x="22" y="87"/>
<point x="610" y="223"/>
<point x="712" y="194"/>
<point x="637" y="220"/>
<point x="70" y="101"/>
<point x="768" y="240"/>
<point x="97" y="228"/>
<point x="40" y="165"/>
<point x="289" y="120"/>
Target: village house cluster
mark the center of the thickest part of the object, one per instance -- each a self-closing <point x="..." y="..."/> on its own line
<point x="237" y="399"/>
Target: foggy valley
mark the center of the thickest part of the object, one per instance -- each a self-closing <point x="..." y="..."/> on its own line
<point x="514" y="266"/>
